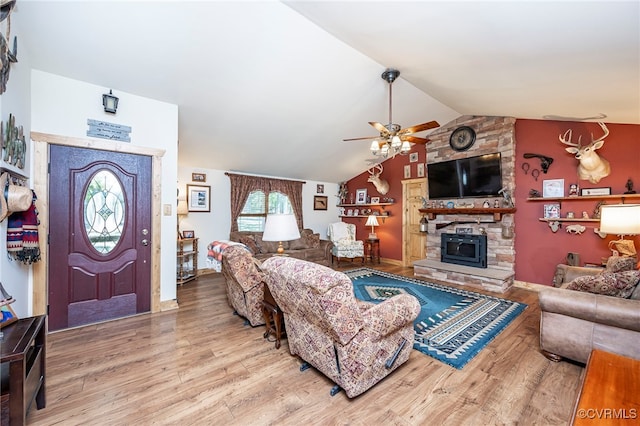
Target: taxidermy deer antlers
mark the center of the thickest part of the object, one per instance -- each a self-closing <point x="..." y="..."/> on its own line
<point x="592" y="167"/>
<point x="381" y="185"/>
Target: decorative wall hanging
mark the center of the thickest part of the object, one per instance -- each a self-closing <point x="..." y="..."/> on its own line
<point x="545" y="161"/>
<point x="14" y="144"/>
<point x="7" y="56"/>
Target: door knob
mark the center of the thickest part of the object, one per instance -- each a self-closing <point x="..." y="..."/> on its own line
<point x="145" y="242"/>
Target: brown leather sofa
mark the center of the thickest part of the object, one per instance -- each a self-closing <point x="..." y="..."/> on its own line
<point x="308" y="247"/>
<point x="572" y="323"/>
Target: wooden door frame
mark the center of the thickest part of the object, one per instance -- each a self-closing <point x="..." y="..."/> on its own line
<point x="405" y="182"/>
<point x="41" y="142"/>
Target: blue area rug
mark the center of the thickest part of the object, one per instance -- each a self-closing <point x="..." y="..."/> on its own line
<point x="453" y="325"/>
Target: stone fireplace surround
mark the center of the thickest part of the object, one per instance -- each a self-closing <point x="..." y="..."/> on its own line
<point x="493" y="134"/>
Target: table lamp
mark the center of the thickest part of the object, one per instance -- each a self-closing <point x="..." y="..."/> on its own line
<point x="621" y="219"/>
<point x="183" y="210"/>
<point x="372" y="221"/>
<point x="280" y="227"/>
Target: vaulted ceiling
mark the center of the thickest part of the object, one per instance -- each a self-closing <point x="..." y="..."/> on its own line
<point x="273" y="87"/>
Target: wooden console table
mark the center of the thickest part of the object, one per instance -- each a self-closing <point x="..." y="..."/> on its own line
<point x="610" y="389"/>
<point x="23" y="368"/>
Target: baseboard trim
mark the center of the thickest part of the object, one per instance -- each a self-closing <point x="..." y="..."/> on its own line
<point x="169" y="305"/>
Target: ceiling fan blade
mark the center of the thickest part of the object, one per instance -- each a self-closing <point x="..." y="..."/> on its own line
<point x="419" y="128"/>
<point x="380" y="127"/>
<point x="360" y="139"/>
<point x="415" y="139"/>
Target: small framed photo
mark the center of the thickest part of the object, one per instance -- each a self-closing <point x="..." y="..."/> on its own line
<point x="552" y="211"/>
<point x="407" y="171"/>
<point x="8" y="316"/>
<point x="552" y="188"/>
<point x="188" y="234"/>
<point x="595" y="191"/>
<point x="413" y="157"/>
<point x="198" y="177"/>
<point x="320" y="188"/>
<point x="420" y="171"/>
<point x="375" y="200"/>
<point x="199" y="198"/>
<point x="320" y="202"/>
<point x="361" y="196"/>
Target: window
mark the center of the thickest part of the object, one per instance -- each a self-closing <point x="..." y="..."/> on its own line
<point x="254" y="212"/>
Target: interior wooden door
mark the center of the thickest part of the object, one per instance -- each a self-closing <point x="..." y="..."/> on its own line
<point x="414" y="242"/>
<point x="99" y="237"/>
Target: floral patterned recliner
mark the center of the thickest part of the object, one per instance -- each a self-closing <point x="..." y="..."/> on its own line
<point x="245" y="283"/>
<point x="345" y="245"/>
<point x="354" y="343"/>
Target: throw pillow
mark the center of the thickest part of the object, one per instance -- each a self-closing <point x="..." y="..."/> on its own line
<point x="620" y="264"/>
<point x="250" y="242"/>
<point x="619" y="284"/>
<point x="313" y="240"/>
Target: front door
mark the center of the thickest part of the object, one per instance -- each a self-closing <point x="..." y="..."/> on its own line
<point x="99" y="235"/>
<point x="414" y="242"/>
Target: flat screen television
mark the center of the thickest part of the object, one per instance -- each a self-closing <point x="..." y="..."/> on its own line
<point x="479" y="176"/>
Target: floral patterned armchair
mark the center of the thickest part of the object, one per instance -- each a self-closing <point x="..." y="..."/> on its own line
<point x="354" y="343"/>
<point x="245" y="283"/>
<point x="345" y="245"/>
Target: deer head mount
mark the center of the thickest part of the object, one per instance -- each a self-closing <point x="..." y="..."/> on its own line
<point x="381" y="185"/>
<point x="592" y="167"/>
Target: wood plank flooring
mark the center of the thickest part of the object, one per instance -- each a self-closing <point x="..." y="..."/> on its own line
<point x="200" y="365"/>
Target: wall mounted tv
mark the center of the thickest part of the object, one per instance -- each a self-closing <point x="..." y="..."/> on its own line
<point x="479" y="176"/>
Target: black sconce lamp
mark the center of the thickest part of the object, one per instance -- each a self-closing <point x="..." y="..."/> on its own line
<point x="110" y="102"/>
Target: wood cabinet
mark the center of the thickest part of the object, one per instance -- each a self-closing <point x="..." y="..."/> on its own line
<point x="187" y="260"/>
<point x="22" y="368"/>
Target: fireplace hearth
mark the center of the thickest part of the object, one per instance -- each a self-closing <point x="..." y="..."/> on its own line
<point x="464" y="249"/>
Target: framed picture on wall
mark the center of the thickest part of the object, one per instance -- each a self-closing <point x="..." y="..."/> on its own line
<point x="320" y="202"/>
<point x="199" y="198"/>
<point x="361" y="196"/>
<point x="413" y="157"/>
<point x="407" y="171"/>
<point x="420" y="171"/>
<point x="552" y="188"/>
<point x="198" y="177"/>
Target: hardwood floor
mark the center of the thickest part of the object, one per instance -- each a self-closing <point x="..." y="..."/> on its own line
<point x="201" y="365"/>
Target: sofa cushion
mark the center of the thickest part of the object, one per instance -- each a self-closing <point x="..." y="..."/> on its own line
<point x="620" y="264"/>
<point x="269" y="246"/>
<point x="299" y="244"/>
<point x="251" y="243"/>
<point x="313" y="240"/>
<point x="619" y="284"/>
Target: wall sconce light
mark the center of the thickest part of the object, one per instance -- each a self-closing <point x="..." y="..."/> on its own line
<point x="110" y="102"/>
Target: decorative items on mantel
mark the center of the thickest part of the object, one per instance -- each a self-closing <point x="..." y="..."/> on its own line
<point x="496" y="212"/>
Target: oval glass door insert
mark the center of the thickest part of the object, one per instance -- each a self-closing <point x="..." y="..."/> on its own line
<point x="104" y="211"/>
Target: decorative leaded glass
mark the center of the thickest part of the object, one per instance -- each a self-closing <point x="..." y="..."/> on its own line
<point x="104" y="211"/>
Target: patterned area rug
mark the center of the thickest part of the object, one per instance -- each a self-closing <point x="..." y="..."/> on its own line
<point x="453" y="325"/>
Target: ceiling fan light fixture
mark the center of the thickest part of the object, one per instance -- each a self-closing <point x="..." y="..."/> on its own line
<point x="375" y="147"/>
<point x="396" y="142"/>
<point x="406" y="147"/>
<point x="385" y="150"/>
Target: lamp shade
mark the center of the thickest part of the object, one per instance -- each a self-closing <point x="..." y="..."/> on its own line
<point x="183" y="208"/>
<point x="280" y="227"/>
<point x="620" y="219"/>
<point x="372" y="221"/>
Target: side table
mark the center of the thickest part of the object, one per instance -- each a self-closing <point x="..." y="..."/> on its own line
<point x="273" y="319"/>
<point x="22" y="368"/>
<point x="372" y="250"/>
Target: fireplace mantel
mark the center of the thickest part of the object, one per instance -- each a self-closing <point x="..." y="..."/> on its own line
<point x="496" y="212"/>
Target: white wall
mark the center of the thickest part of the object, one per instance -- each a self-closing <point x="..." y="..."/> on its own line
<point x="61" y="106"/>
<point x="215" y="225"/>
<point x="15" y="276"/>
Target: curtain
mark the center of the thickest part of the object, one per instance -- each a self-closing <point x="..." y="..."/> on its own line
<point x="243" y="185"/>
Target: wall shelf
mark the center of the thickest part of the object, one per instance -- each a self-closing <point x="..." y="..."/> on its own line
<point x="564" y="219"/>
<point x="496" y="212"/>
<point x="587" y="197"/>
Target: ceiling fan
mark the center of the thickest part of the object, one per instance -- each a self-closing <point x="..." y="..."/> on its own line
<point x="394" y="139"/>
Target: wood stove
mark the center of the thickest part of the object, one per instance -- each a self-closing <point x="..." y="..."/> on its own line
<point x="464" y="249"/>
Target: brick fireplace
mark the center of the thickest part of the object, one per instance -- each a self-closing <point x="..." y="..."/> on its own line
<point x="493" y="134"/>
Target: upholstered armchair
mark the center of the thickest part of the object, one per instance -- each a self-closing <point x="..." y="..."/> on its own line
<point x="354" y="343"/>
<point x="245" y="283"/>
<point x="345" y="245"/>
